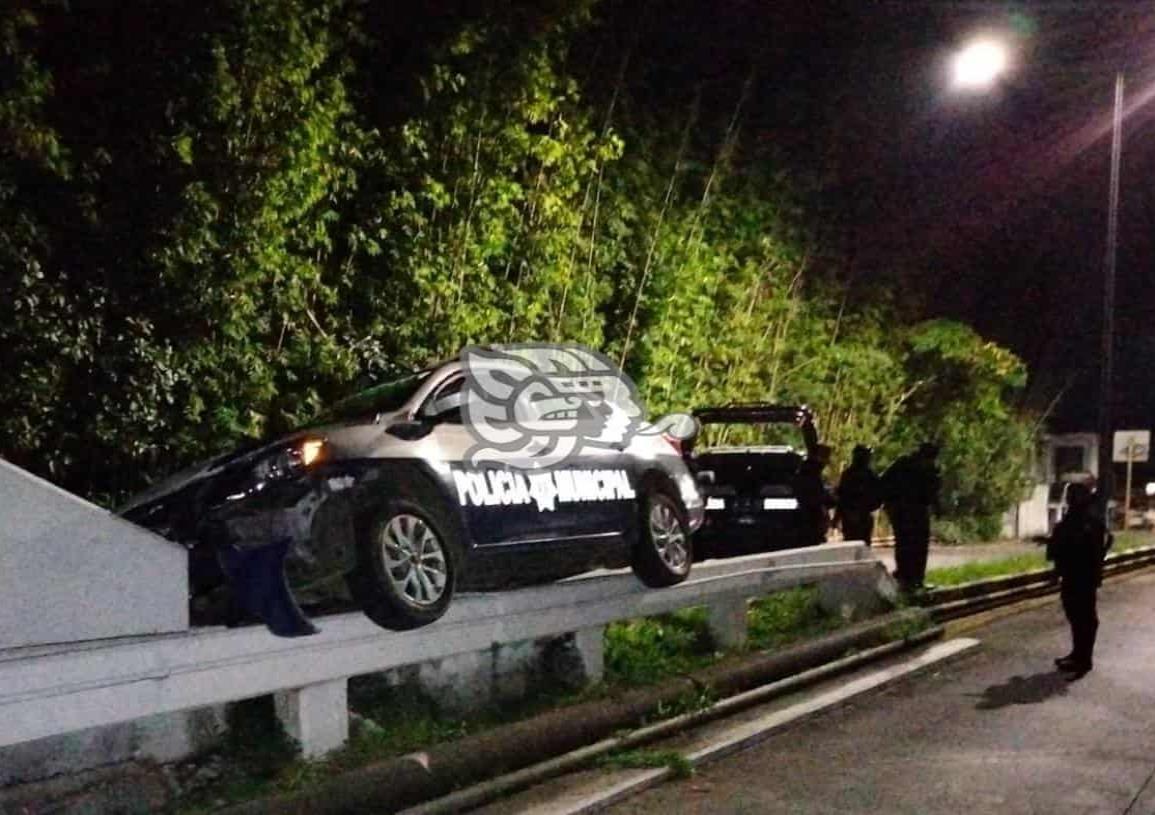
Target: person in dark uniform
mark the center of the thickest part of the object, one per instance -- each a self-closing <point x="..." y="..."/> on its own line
<point x="910" y="488"/>
<point x="814" y="496"/>
<point x="1077" y="547"/>
<point x="859" y="495"/>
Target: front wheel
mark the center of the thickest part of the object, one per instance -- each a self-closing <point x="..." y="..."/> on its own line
<point x="663" y="551"/>
<point x="406" y="568"/>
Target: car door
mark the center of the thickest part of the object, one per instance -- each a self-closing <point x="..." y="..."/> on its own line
<point x="502" y="505"/>
<point x="510" y="499"/>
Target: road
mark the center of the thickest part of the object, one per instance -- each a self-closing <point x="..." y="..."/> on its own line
<point x="998" y="731"/>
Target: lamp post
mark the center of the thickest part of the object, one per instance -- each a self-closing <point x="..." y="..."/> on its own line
<point x="977" y="67"/>
<point x="1106" y="418"/>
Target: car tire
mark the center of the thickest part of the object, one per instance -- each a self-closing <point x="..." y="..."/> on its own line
<point x="663" y="551"/>
<point x="407" y="559"/>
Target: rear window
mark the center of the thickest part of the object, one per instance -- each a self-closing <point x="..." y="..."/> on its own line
<point x="750" y="434"/>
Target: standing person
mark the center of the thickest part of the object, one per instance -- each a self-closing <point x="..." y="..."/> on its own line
<point x="859" y="495"/>
<point x="814" y="498"/>
<point x="910" y="490"/>
<point x="1077" y="546"/>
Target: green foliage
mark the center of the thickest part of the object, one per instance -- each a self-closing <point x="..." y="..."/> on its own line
<point x="217" y="217"/>
<point x="961" y="391"/>
<point x="1132" y="539"/>
<point x="787" y="616"/>
<point x="986" y="569"/>
<point x="648" y="759"/>
<point x="914" y="622"/>
<point x="642" y="651"/>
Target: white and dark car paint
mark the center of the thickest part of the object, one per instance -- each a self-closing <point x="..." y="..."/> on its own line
<point x="318" y="505"/>
<point x="750" y="490"/>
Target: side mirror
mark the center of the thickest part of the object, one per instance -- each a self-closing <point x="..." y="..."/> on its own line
<point x="409" y="429"/>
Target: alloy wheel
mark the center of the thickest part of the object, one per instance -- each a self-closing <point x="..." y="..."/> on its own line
<point x="415" y="559"/>
<point x="669" y="537"/>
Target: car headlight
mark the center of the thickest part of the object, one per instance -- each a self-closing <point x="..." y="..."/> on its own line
<point x="290" y="461"/>
<point x="715" y="503"/>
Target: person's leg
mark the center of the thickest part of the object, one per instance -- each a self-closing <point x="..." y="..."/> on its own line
<point x="1071" y="612"/>
<point x="920" y="545"/>
<point x="903" y="567"/>
<point x="1086" y="626"/>
<point x="855" y="527"/>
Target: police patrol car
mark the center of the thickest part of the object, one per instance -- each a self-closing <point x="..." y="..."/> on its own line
<point x="491" y="470"/>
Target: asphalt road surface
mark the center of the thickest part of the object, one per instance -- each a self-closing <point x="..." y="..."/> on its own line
<point x="995" y="732"/>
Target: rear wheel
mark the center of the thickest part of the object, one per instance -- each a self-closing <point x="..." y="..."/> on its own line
<point x="406" y="568"/>
<point x="663" y="551"/>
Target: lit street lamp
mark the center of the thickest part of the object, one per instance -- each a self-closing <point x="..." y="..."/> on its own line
<point x="978" y="66"/>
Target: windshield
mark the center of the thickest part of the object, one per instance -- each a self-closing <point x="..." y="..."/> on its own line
<point x="384" y="398"/>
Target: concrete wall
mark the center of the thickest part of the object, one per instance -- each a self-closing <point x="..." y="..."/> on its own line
<point x="501" y="673"/>
<point x="1030" y="516"/>
<point x="162" y="738"/>
<point x="71" y="571"/>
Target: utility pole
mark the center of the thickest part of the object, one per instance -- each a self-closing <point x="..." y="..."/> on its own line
<point x="1106" y="421"/>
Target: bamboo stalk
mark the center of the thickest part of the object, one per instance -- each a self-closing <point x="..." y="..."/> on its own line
<point x="648" y="265"/>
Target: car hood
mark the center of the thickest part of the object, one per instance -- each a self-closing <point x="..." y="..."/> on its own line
<point x="204" y="470"/>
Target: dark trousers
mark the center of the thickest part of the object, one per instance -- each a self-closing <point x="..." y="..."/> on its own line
<point x="1079" y="605"/>
<point x="857" y="526"/>
<point x="911" y="525"/>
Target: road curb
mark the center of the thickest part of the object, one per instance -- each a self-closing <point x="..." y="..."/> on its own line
<point x="491" y="790"/>
<point x="982" y="595"/>
<point x="747" y="735"/>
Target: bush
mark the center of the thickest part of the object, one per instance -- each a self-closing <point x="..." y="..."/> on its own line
<point x="641" y="651"/>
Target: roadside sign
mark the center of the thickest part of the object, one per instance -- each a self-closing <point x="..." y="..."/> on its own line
<point x="1139" y="442"/>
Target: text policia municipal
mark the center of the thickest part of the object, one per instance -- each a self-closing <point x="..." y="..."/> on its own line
<point x="545" y="489"/>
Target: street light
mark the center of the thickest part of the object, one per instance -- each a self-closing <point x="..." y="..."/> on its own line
<point x="977" y="66"/>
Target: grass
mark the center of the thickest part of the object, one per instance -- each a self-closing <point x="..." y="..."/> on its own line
<point x="787" y="617"/>
<point x="1018" y="564"/>
<point x="644" y="651"/>
<point x="258" y="759"/>
<point x="986" y="569"/>
<point x="647" y="759"/>
<point x="1132" y="539"/>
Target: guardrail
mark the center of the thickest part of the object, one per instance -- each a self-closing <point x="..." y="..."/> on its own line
<point x="952" y="602"/>
<point x="54" y="690"/>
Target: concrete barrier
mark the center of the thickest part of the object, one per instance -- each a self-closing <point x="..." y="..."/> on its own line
<point x="56" y="690"/>
<point x="71" y="571"/>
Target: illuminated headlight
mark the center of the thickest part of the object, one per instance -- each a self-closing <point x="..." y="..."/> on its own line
<point x="715" y="503"/>
<point x="290" y="461"/>
<point x="779" y="503"/>
<point x="1149" y="488"/>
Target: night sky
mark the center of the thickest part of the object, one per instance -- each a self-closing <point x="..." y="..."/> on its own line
<point x="991" y="207"/>
<point x="995" y="204"/>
